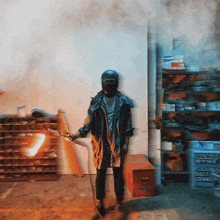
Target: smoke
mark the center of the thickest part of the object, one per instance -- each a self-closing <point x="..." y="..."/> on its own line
<point x="191" y="19"/>
<point x="44" y="29"/>
<point x="54" y="51"/>
<point x="195" y="20"/>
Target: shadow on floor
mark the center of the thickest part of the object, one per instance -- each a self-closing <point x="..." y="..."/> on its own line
<point x="72" y="198"/>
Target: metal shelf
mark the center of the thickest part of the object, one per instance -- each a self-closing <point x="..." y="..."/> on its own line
<point x="193" y="111"/>
<point x="27" y="172"/>
<point x="25" y="178"/>
<point x="27" y="158"/>
<point x="23" y="144"/>
<point x="15" y="133"/>
<point x="181" y="72"/>
<point x="182" y="129"/>
<point x="168" y="152"/>
<point x="27" y="165"/>
<point x="174" y="172"/>
<point x="184" y="91"/>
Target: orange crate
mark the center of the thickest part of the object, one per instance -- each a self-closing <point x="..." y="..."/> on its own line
<point x="201" y="135"/>
<point x="178" y="78"/>
<point x="177" y="95"/>
<point x="211" y="96"/>
<point x="175" y="133"/>
<point x="171" y="114"/>
<point x="139" y="176"/>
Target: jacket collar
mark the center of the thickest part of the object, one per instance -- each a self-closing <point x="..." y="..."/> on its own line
<point x="122" y="99"/>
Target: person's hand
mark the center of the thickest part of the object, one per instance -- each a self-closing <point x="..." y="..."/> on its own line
<point x="69" y="137"/>
<point x="125" y="149"/>
<point x="72" y="137"/>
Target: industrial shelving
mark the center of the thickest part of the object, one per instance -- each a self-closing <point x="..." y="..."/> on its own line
<point x="183" y="120"/>
<point x="16" y="138"/>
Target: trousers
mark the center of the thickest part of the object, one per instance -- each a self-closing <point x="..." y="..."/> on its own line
<point x="118" y="183"/>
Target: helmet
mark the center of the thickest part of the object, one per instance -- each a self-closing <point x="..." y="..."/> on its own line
<point x="110" y="80"/>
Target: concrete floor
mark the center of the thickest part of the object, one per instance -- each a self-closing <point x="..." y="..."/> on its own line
<point x="72" y="198"/>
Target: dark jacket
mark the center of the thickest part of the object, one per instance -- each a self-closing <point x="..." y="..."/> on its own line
<point x="102" y="141"/>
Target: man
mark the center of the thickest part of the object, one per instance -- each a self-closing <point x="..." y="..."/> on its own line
<point x="110" y="121"/>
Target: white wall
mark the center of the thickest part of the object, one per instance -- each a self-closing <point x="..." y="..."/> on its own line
<point x="54" y="52"/>
<point x="53" y="58"/>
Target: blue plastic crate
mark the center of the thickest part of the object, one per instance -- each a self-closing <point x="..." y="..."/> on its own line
<point x="205" y="146"/>
<point x="202" y="163"/>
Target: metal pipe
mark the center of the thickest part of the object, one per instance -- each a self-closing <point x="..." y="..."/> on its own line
<point x="153" y="69"/>
<point x="152" y="73"/>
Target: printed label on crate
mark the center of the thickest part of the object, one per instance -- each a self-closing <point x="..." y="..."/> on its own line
<point x="202" y="167"/>
<point x="206" y="159"/>
<point x="203" y="179"/>
<point x="203" y="174"/>
<point x="217" y="146"/>
<point x="205" y="145"/>
<point x="205" y="169"/>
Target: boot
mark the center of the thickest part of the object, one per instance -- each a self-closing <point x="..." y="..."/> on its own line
<point x="119" y="211"/>
<point x="100" y="207"/>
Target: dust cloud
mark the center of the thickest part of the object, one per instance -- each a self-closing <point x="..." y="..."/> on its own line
<point x="37" y="36"/>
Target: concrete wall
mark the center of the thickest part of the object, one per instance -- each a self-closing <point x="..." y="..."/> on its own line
<point x="54" y="52"/>
<point x="53" y="55"/>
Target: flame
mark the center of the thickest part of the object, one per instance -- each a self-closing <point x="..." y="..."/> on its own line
<point x="36" y="145"/>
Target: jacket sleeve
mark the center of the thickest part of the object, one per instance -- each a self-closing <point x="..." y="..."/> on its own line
<point x="129" y="130"/>
<point x="88" y="123"/>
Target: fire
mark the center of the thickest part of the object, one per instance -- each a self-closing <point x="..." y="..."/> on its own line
<point x="40" y="138"/>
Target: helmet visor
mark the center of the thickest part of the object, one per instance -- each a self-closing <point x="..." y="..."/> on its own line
<point x="109" y="87"/>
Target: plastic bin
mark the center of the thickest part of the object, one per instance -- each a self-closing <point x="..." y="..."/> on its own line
<point x="216" y="182"/>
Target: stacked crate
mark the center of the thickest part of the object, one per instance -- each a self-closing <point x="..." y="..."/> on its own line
<point x="16" y="134"/>
<point x="204" y="160"/>
<point x="139" y="176"/>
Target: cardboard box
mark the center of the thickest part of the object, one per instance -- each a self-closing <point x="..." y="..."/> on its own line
<point x="165" y="145"/>
<point x="173" y="62"/>
<point x="175" y="165"/>
<point x="175" y="162"/>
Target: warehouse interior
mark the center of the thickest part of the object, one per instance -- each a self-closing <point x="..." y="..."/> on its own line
<point x="167" y="55"/>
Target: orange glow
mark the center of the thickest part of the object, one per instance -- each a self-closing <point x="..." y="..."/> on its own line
<point x="40" y="138"/>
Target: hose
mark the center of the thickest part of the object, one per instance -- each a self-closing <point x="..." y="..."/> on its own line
<point x="86" y="146"/>
<point x="37" y="113"/>
<point x="90" y="178"/>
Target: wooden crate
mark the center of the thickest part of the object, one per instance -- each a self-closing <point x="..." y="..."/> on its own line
<point x="139" y="176"/>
